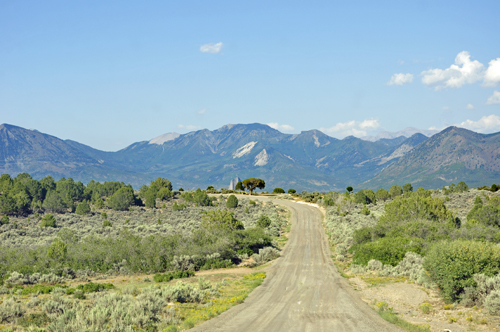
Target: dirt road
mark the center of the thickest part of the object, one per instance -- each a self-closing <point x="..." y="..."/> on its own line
<point x="303" y="290"/>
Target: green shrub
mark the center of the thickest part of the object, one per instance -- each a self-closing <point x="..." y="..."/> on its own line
<point x="92" y="287"/>
<point x="407" y="188"/>
<point x="221" y="219"/>
<point x="107" y="223"/>
<point x="178" y="207"/>
<point x="362" y="235"/>
<point x="452" y="265"/>
<point x="426" y="307"/>
<point x="365" y="211"/>
<point x="48" y="221"/>
<point x="121" y="199"/>
<point x="395" y="191"/>
<point x="414" y="208"/>
<point x="263" y="221"/>
<point x="382" y="195"/>
<point x="245" y="251"/>
<point x="278" y="191"/>
<point x="201" y="198"/>
<point x="232" y="202"/>
<point x="166" y="277"/>
<point x="251" y="202"/>
<point x="361" y="198"/>
<point x="292" y="191"/>
<point x="486" y="215"/>
<point x="79" y="294"/>
<point x="389" y="250"/>
<point x="492" y="302"/>
<point x="41" y="289"/>
<point x="37" y="319"/>
<point x="4" y="220"/>
<point x="83" y="208"/>
<point x="57" y="250"/>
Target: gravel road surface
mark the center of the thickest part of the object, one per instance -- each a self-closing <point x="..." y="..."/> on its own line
<point x="303" y="290"/>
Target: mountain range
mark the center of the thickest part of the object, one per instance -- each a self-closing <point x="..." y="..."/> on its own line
<point x="310" y="160"/>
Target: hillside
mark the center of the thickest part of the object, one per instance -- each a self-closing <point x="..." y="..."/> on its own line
<point x="452" y="155"/>
<point x="24" y="150"/>
<point x="310" y="160"/>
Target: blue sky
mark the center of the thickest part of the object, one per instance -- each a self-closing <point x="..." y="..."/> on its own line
<point x="110" y="73"/>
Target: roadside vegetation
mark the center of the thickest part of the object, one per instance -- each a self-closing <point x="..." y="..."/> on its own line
<point x="54" y="235"/>
<point x="445" y="240"/>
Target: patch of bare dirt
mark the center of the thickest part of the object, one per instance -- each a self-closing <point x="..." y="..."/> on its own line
<point x="406" y="298"/>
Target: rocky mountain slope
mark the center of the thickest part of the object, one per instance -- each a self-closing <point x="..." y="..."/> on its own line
<point x="310" y="160"/>
<point x="24" y="150"/>
<point x="453" y="155"/>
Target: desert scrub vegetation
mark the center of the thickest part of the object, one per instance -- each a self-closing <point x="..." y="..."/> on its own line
<point x="446" y="238"/>
<point x="103" y="307"/>
<point x="179" y="229"/>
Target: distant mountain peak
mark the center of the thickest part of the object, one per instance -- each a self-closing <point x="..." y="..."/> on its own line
<point x="407" y="132"/>
<point x="164" y="138"/>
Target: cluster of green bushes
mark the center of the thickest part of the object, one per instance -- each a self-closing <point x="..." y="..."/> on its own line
<point x="36" y="289"/>
<point x="455" y="251"/>
<point x="312" y="197"/>
<point x="137" y="242"/>
<point x="91" y="288"/>
<point x="143" y="309"/>
<point x="485" y="214"/>
<point x="166" y="277"/>
<point x="493" y="188"/>
<point x="141" y="254"/>
<point x="23" y="195"/>
<point x="198" y="197"/>
<point x="452" y="188"/>
<point x="158" y="189"/>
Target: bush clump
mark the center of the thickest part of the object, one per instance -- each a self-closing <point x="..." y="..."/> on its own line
<point x="263" y="221"/>
<point x="232" y="202"/>
<point x="48" y="221"/>
<point x="83" y="208"/>
<point x="91" y="288"/>
<point x="452" y="265"/>
<point x="166" y="277"/>
<point x="386" y="250"/>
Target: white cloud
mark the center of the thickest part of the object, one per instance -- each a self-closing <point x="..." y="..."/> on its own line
<point x="492" y="75"/>
<point x="446" y="108"/>
<point x="369" y="124"/>
<point x="487" y="124"/>
<point x="202" y="111"/>
<point x="211" y="48"/>
<point x="470" y="106"/>
<point x="462" y="72"/>
<point x="188" y="127"/>
<point x="279" y="127"/>
<point x="354" y="128"/>
<point x="400" y="79"/>
<point x="494" y="99"/>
